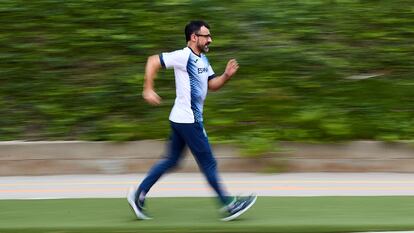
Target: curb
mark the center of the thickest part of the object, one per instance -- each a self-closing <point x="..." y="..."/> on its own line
<point x="82" y="157"/>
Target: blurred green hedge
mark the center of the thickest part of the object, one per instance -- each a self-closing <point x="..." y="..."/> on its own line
<point x="311" y="70"/>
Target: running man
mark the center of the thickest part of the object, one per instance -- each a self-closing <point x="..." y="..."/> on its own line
<point x="193" y="76"/>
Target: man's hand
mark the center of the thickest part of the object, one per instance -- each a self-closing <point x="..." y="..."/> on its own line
<point x="216" y="83"/>
<point x="231" y="68"/>
<point x="151" y="69"/>
<point x="151" y="97"/>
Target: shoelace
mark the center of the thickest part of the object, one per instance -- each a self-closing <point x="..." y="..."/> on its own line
<point x="238" y="206"/>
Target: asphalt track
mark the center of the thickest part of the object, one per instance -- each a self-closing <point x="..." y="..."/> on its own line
<point x="194" y="185"/>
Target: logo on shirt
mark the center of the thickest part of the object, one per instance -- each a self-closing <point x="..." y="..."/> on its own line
<point x="202" y="70"/>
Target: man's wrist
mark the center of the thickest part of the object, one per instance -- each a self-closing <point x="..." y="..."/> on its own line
<point x="148" y="87"/>
<point x="226" y="76"/>
<point x="147" y="91"/>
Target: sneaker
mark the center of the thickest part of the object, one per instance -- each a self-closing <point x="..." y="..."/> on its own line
<point x="137" y="204"/>
<point x="238" y="207"/>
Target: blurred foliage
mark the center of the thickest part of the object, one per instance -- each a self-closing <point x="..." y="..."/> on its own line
<point x="319" y="70"/>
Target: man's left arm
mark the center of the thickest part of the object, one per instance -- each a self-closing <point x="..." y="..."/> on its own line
<point x="217" y="82"/>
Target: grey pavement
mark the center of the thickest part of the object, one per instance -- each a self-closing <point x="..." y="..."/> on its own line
<point x="194" y="184"/>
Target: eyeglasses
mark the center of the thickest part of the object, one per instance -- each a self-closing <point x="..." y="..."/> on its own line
<point x="206" y="36"/>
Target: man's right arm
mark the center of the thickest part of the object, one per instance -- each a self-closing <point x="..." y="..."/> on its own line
<point x="151" y="69"/>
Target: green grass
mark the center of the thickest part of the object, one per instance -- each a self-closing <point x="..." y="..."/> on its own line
<point x="270" y="214"/>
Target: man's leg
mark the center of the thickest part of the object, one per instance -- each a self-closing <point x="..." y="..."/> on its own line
<point x="175" y="149"/>
<point x="136" y="198"/>
<point x="196" y="139"/>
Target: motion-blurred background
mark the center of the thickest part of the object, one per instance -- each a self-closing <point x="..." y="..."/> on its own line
<point x="323" y="86"/>
<point x="310" y="70"/>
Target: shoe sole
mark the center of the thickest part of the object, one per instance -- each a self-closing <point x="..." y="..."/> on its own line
<point x="131" y="202"/>
<point x="240" y="212"/>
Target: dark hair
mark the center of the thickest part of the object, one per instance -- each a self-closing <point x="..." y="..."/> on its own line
<point x="194" y="26"/>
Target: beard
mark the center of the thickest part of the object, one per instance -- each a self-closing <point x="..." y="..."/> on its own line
<point x="204" y="47"/>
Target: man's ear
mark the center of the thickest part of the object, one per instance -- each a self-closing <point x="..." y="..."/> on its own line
<point x="193" y="37"/>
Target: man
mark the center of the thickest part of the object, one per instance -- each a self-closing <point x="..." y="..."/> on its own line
<point x="193" y="76"/>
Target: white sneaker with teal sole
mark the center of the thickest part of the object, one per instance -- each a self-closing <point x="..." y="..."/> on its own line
<point x="238" y="207"/>
<point x="136" y="205"/>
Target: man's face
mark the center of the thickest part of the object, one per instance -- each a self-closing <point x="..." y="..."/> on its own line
<point x="203" y="39"/>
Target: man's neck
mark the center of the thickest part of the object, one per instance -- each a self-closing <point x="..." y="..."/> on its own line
<point x="194" y="49"/>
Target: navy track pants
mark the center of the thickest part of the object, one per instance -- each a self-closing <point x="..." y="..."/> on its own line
<point x="194" y="136"/>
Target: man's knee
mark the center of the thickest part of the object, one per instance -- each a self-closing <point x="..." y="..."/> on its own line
<point x="173" y="164"/>
<point x="207" y="161"/>
<point x="168" y="164"/>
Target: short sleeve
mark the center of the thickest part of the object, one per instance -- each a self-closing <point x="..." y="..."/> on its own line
<point x="175" y="59"/>
<point x="210" y="73"/>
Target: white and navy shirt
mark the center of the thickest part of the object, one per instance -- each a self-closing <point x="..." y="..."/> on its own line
<point x="192" y="73"/>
